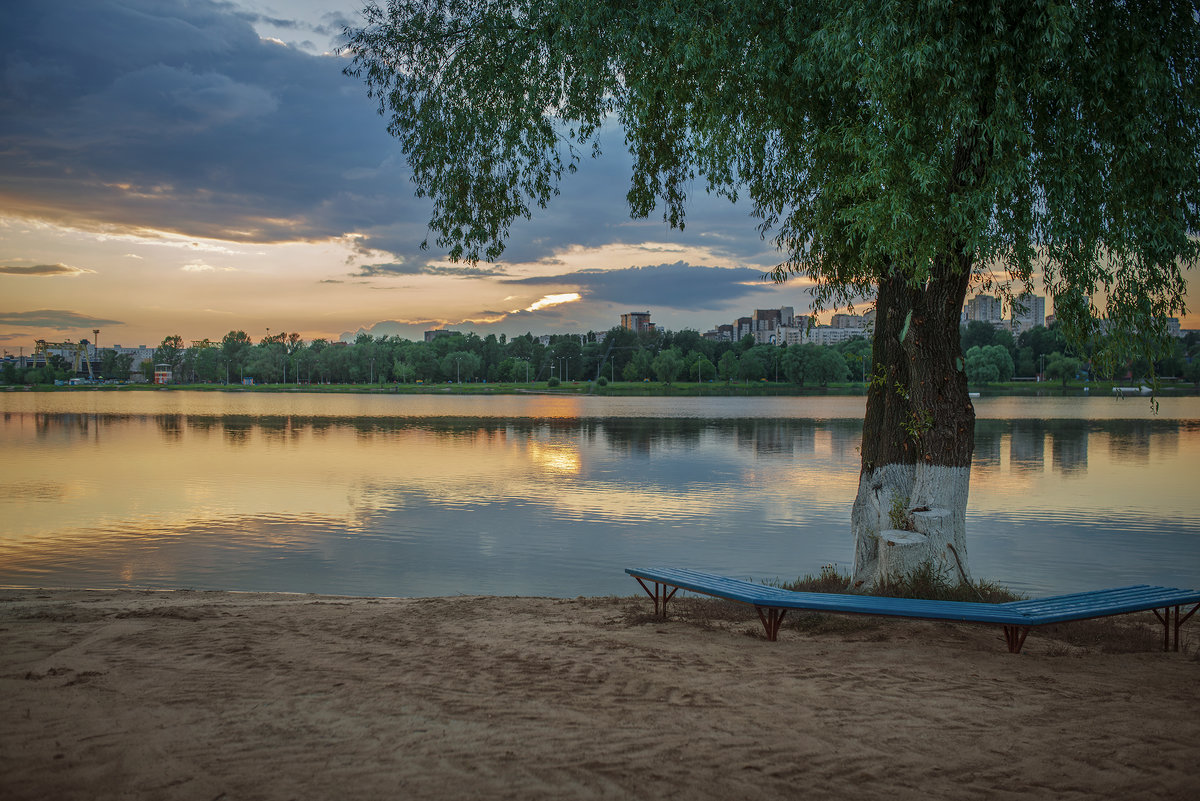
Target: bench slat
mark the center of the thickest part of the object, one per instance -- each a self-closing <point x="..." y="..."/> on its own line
<point x="1034" y="612"/>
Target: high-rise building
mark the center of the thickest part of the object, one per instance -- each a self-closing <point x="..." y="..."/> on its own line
<point x="1028" y="311"/>
<point x="637" y="322"/>
<point x="985" y="308"/>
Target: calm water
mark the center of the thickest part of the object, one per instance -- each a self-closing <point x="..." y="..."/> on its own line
<point x="429" y="495"/>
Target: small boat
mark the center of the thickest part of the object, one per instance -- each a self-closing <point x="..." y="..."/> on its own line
<point x="1123" y="391"/>
<point x="972" y="394"/>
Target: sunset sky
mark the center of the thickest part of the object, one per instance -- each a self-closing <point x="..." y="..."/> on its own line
<point x="191" y="167"/>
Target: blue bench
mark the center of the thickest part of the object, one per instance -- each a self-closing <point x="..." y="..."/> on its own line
<point x="1016" y="617"/>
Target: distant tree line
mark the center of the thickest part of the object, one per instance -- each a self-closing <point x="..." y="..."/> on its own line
<point x="615" y="355"/>
<point x="990" y="355"/>
<point x="993" y="355"/>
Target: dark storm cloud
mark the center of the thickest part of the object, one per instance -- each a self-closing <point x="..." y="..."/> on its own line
<point x="54" y="318"/>
<point x="458" y="271"/>
<point x="677" y="286"/>
<point x="176" y="116"/>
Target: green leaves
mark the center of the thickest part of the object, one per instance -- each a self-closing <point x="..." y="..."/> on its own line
<point x="928" y="137"/>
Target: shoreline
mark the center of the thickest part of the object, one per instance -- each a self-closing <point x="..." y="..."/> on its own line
<point x="205" y="694"/>
<point x="1097" y="389"/>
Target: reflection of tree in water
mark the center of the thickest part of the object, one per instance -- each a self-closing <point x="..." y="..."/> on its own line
<point x="1069" y="446"/>
<point x="238" y="430"/>
<point x="1027" y="446"/>
<point x="776" y="437"/>
<point x="845" y="437"/>
<point x="1129" y="440"/>
<point x="171" y="426"/>
<point x="637" y="436"/>
<point x="204" y="425"/>
<point x="988" y="434"/>
<point x="46" y="425"/>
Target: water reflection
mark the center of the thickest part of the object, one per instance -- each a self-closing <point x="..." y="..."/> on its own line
<point x="1069" y="447"/>
<point x="407" y="505"/>
<point x="1027" y="446"/>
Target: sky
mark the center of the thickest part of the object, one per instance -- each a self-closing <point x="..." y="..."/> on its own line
<point x="194" y="167"/>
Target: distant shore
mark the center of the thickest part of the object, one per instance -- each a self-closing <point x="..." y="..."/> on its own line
<point x="625" y="388"/>
<point x="184" y="695"/>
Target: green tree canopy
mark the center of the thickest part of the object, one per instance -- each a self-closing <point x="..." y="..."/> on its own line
<point x="900" y="149"/>
<point x="727" y="365"/>
<point x="668" y="365"/>
<point x="170" y="352"/>
<point x="1064" y="367"/>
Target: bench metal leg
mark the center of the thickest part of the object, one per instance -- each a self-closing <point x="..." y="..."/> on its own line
<point x="1180" y="619"/>
<point x="660" y="596"/>
<point x="1015" y="637"/>
<point x="771" y="620"/>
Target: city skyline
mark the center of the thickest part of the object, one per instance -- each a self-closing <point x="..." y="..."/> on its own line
<point x="194" y="168"/>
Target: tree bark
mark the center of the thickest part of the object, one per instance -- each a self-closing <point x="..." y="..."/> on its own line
<point x="918" y="432"/>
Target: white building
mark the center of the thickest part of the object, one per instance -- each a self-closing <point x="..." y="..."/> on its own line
<point x="1029" y="311"/>
<point x="985" y="309"/>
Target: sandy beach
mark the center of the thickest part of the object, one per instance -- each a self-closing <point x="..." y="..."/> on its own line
<point x="205" y="695"/>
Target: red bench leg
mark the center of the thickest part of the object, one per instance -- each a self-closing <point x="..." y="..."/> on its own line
<point x="660" y="596"/>
<point x="1164" y="617"/>
<point x="1015" y="637"/>
<point x="1179" y="621"/>
<point x="771" y="620"/>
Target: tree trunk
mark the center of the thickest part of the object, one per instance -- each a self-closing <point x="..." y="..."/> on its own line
<point x="918" y="433"/>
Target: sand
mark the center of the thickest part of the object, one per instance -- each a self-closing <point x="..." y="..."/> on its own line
<point x="200" y="695"/>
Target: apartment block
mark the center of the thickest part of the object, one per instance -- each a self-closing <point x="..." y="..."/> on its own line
<point x="1028" y="312"/>
<point x="986" y="309"/>
<point x="638" y="322"/>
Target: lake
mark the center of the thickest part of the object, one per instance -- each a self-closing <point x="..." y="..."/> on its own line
<point x="403" y="495"/>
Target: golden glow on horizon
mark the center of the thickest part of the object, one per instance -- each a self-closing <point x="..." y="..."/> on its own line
<point x="146" y="284"/>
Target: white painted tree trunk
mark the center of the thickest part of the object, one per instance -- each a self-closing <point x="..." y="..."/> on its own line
<point x="908" y="515"/>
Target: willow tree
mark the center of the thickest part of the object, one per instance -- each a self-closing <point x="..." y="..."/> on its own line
<point x="900" y="151"/>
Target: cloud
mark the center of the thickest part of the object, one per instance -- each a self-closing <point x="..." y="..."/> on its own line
<point x="54" y="318"/>
<point x="42" y="270"/>
<point x="676" y="286"/>
<point x="406" y="269"/>
<point x="174" y="116"/>
<point x="319" y="22"/>
<point x="552" y="300"/>
<point x="201" y="267"/>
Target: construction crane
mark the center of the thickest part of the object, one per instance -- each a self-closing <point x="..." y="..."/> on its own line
<point x="78" y="353"/>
